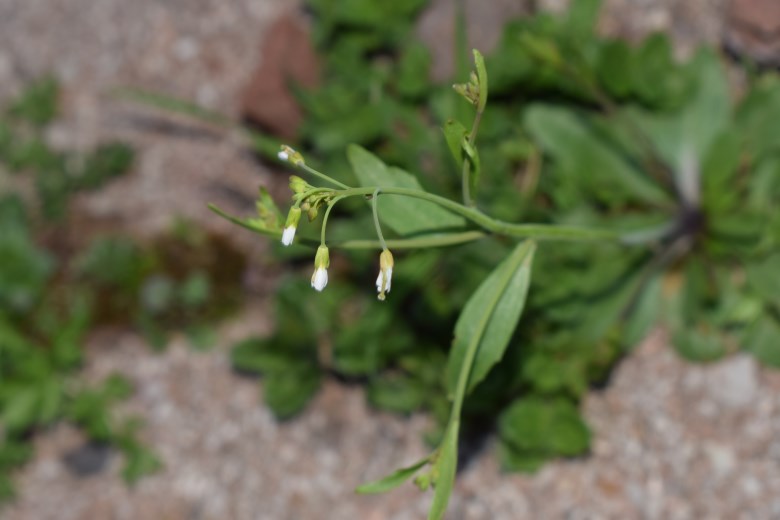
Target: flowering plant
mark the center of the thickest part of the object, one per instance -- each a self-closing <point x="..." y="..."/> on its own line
<point x="426" y="220"/>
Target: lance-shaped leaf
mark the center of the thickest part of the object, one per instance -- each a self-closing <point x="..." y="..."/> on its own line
<point x="403" y="214"/>
<point x="454" y="134"/>
<point x="489" y="318"/>
<point x="391" y="481"/>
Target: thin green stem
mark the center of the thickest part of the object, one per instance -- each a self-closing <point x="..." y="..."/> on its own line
<point x="374" y="200"/>
<point x="325" y="219"/>
<point x="498" y="227"/>
<point x="467" y="200"/>
<point x="322" y="176"/>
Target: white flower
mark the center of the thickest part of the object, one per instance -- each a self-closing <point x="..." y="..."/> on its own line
<point x="385" y="278"/>
<point x="287" y="235"/>
<point x="291" y="225"/>
<point x="321" y="262"/>
<point x="319" y="279"/>
<point x="283" y="155"/>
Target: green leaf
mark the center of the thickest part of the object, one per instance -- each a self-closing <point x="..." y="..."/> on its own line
<point x="614" y="68"/>
<point x="287" y="393"/>
<point x="397" y="394"/>
<point x="391" y="481"/>
<point x="644" y="313"/>
<point x="688" y="133"/>
<point x="490" y="316"/>
<point x="20" y="412"/>
<point x="403" y="214"/>
<point x="454" y="134"/>
<point x="763" y="340"/>
<point x="698" y="344"/>
<point x="590" y="163"/>
<point x="763" y="278"/>
<point x="582" y="17"/>
<point x="38" y="102"/>
<point x="444" y="471"/>
<point x="533" y="429"/>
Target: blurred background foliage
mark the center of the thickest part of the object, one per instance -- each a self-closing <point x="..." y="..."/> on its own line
<point x="59" y="281"/>
<point x="579" y="130"/>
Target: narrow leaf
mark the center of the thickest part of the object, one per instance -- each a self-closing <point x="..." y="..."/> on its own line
<point x="454" y="134"/>
<point x="482" y="76"/>
<point x="490" y="316"/>
<point x="403" y="214"/>
<point x="173" y="105"/>
<point x="391" y="481"/>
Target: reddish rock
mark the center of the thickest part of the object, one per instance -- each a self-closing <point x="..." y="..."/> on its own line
<point x="753" y="30"/>
<point x="287" y="58"/>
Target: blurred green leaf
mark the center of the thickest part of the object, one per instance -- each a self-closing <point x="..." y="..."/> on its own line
<point x="533" y="430"/>
<point x="286" y="393"/>
<point x="592" y="165"/>
<point x="405" y="215"/>
<point x="37" y="103"/>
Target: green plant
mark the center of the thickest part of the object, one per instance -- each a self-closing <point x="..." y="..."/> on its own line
<point x="582" y="134"/>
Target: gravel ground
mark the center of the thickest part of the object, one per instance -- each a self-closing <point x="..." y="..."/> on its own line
<point x="671" y="440"/>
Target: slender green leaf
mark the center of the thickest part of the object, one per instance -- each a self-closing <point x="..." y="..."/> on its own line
<point x="391" y="481"/>
<point x="173" y="104"/>
<point x="482" y="76"/>
<point x="588" y="161"/>
<point x="490" y="316"/>
<point x="454" y="134"/>
<point x="404" y="215"/>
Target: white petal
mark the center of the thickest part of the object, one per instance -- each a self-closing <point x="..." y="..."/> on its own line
<point x="320" y="279"/>
<point x="379" y="282"/>
<point x="284" y="156"/>
<point x="287" y="235"/>
<point x="389" y="277"/>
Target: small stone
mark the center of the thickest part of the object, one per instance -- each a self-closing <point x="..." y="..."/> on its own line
<point x="722" y="458"/>
<point x="753" y="30"/>
<point x="733" y="383"/>
<point x="287" y="58"/>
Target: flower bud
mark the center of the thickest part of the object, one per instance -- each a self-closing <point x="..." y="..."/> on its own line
<point x="287" y="153"/>
<point x="298" y="185"/>
<point x="321" y="262"/>
<point x="291" y="225"/>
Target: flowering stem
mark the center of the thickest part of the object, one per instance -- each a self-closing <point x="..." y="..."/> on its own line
<point x="322" y="176"/>
<point x="374" y="200"/>
<point x="537" y="231"/>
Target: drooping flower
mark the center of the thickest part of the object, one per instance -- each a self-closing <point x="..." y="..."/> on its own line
<point x="385" y="278"/>
<point x="291" y="225"/>
<point x="321" y="262"/>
